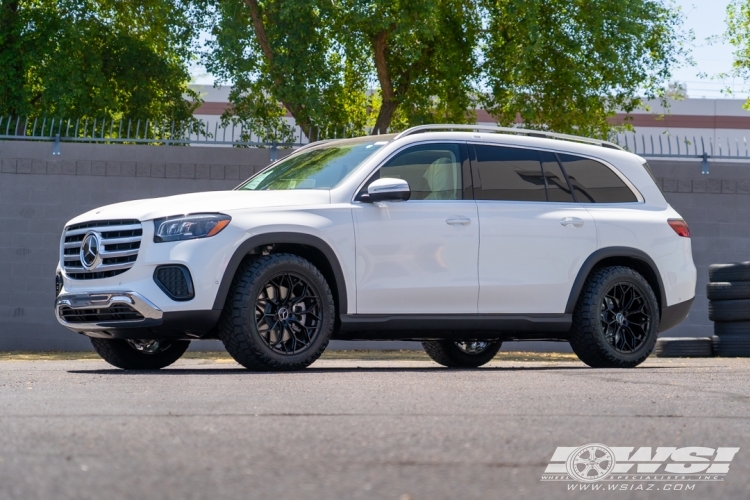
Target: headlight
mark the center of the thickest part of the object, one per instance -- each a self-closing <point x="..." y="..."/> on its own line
<point x="189" y="227"/>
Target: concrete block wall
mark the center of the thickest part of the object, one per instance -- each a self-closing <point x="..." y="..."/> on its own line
<point x="39" y="192"/>
<point x="717" y="209"/>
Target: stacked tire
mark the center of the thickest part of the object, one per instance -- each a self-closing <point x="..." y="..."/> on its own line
<point x="728" y="294"/>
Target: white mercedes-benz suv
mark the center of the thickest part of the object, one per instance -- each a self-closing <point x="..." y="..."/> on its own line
<point x="460" y="237"/>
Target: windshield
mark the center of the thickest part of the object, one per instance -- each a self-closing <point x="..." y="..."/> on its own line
<point x="321" y="167"/>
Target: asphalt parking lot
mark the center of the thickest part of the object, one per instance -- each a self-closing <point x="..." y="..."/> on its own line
<point x="393" y="428"/>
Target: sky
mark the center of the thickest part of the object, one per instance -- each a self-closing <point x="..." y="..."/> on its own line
<point x="707" y="19"/>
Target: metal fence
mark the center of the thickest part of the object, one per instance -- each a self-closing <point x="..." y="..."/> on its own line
<point x="233" y="134"/>
<point x="668" y="146"/>
<point x="194" y="132"/>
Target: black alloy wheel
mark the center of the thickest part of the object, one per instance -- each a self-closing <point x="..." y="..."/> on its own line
<point x="279" y="314"/>
<point x="287" y="313"/>
<point x="626" y="317"/>
<point x="464" y="354"/>
<point x="142" y="354"/>
<point x="616" y="319"/>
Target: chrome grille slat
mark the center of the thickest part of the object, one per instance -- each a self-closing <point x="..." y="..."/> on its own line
<point x="114" y="267"/>
<point x="117" y="241"/>
<point x="119" y="259"/>
<point x="103" y="229"/>
<point x="120" y="253"/>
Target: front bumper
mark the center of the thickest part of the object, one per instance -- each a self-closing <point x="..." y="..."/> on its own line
<point x="154" y="324"/>
<point x="89" y="302"/>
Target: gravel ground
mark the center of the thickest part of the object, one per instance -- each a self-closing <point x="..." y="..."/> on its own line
<point x="392" y="426"/>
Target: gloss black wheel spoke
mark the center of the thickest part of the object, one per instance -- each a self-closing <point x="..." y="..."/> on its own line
<point x="287" y="313"/>
<point x="625" y="317"/>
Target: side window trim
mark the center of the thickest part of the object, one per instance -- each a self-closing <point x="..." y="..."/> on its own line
<point x="465" y="167"/>
<point x="565" y="174"/>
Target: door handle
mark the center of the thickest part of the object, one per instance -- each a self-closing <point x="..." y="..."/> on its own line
<point x="571" y="221"/>
<point x="463" y="221"/>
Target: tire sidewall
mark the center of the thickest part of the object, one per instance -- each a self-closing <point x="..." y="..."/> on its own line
<point x="258" y="281"/>
<point x="645" y="290"/>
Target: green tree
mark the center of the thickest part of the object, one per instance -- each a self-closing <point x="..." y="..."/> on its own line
<point x="565" y="65"/>
<point x="423" y="53"/>
<point x="568" y="65"/>
<point x="738" y="34"/>
<point x="96" y="58"/>
<point x="283" y="55"/>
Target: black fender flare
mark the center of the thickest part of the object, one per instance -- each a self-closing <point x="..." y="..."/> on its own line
<point x="605" y="253"/>
<point x="276" y="238"/>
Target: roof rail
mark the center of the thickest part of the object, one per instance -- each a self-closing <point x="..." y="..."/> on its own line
<point x="508" y="130"/>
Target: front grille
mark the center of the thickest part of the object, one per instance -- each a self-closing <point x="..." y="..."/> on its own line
<point x="120" y="241"/>
<point x="175" y="281"/>
<point x="117" y="312"/>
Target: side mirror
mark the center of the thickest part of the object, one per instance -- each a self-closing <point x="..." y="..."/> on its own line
<point x="387" y="189"/>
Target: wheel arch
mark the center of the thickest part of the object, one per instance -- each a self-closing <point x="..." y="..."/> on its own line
<point x="307" y="246"/>
<point x="633" y="258"/>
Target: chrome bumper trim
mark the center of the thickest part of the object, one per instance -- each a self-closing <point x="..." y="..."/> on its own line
<point x="102" y="300"/>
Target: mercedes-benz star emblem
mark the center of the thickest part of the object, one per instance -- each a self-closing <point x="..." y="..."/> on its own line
<point x="90" y="250"/>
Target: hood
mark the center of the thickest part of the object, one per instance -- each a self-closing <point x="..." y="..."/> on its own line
<point x="208" y="202"/>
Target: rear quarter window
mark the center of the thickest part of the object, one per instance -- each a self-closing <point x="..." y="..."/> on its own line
<point x="651" y="174"/>
<point x="594" y="182"/>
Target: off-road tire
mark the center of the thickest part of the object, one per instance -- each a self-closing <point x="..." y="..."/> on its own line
<point x="732" y="345"/>
<point x="722" y="328"/>
<point x="121" y="354"/>
<point x="729" y="310"/>
<point x="586" y="335"/>
<point x="737" y="271"/>
<point x="448" y="354"/>
<point x="728" y="291"/>
<point x="237" y="328"/>
<point x="684" y="347"/>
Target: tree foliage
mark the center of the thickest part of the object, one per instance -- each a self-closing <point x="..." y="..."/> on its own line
<point x="96" y="58"/>
<point x="564" y="65"/>
<point x="284" y="56"/>
<point x="423" y="53"/>
<point x="738" y="34"/>
<point x="568" y="65"/>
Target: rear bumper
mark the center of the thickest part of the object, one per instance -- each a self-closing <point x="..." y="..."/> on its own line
<point x="673" y="315"/>
<point x="154" y="323"/>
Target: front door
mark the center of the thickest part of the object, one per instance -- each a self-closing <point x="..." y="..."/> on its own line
<point x="534" y="236"/>
<point x="420" y="256"/>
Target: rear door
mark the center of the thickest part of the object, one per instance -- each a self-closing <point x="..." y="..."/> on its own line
<point x="534" y="236"/>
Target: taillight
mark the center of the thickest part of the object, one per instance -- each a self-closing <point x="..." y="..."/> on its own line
<point x="680" y="227"/>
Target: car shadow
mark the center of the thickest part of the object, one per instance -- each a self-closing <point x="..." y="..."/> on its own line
<point x="384" y="369"/>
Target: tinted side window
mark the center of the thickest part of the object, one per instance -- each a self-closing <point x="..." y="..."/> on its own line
<point x="594" y="182"/>
<point x="558" y="189"/>
<point x="433" y="171"/>
<point x="507" y="174"/>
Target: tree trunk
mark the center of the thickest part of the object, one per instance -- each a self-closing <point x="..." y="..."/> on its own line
<point x="278" y="79"/>
<point x="390" y="100"/>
